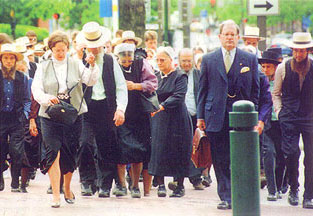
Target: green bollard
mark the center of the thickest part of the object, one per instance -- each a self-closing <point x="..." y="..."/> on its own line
<point x="245" y="160"/>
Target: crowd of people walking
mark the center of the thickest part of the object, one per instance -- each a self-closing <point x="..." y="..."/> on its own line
<point x="119" y="113"/>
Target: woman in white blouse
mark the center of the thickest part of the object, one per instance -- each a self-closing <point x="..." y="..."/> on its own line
<point x="52" y="81"/>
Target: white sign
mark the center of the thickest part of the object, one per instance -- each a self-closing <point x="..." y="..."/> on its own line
<point x="263" y="7"/>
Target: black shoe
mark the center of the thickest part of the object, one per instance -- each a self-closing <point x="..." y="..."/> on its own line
<point x="293" y="198"/>
<point x="263" y="182"/>
<point x="120" y="191"/>
<point x="161" y="191"/>
<point x="49" y="190"/>
<point x="86" y="189"/>
<point x="224" y="205"/>
<point x="307" y="203"/>
<point x="69" y="200"/>
<point x="1" y="182"/>
<point x="271" y="197"/>
<point x="23" y="189"/>
<point x="155" y="182"/>
<point x="15" y="190"/>
<point x="172" y="185"/>
<point x="178" y="192"/>
<point x="206" y="181"/>
<point x="284" y="189"/>
<point x="103" y="193"/>
<point x="135" y="193"/>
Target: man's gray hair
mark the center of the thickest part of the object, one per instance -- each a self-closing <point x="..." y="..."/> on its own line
<point x="229" y="22"/>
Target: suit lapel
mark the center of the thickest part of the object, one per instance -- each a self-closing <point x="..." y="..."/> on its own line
<point x="220" y="64"/>
<point x="236" y="66"/>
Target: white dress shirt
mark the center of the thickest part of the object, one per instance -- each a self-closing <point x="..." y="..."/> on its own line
<point x="89" y="76"/>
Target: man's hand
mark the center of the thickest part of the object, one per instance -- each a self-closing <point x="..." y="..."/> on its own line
<point x="90" y="59"/>
<point x="259" y="127"/>
<point x="119" y="118"/>
<point x="33" y="127"/>
<point x="201" y="124"/>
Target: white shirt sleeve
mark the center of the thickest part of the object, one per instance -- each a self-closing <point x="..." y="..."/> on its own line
<point x="121" y="87"/>
<point x="37" y="88"/>
<point x="89" y="75"/>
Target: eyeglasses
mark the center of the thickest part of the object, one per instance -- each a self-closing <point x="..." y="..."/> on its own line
<point x="126" y="54"/>
<point x="229" y="35"/>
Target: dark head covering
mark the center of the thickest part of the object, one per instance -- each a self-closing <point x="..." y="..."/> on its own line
<point x="269" y="57"/>
<point x="277" y="50"/>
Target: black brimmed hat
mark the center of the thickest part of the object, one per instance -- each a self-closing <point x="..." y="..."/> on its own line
<point x="269" y="57"/>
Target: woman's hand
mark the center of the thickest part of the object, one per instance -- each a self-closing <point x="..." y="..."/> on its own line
<point x="90" y="59"/>
<point x="133" y="86"/>
<point x="161" y="108"/>
<point x="33" y="127"/>
<point x="53" y="100"/>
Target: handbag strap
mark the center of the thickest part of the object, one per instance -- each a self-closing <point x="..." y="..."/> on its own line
<point x="70" y="90"/>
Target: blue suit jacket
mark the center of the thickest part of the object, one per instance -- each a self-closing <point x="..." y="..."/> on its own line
<point x="213" y="86"/>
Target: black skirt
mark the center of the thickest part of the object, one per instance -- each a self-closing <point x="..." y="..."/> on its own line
<point x="134" y="140"/>
<point x="60" y="137"/>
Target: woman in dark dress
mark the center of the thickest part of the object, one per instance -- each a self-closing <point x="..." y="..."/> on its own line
<point x="135" y="134"/>
<point x="171" y="126"/>
<point x="52" y="81"/>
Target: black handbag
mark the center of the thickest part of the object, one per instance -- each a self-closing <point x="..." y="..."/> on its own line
<point x="63" y="112"/>
<point x="150" y="102"/>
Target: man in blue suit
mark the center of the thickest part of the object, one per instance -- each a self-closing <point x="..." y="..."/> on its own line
<point x="227" y="75"/>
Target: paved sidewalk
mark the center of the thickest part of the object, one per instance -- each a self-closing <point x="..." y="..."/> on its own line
<point x="195" y="203"/>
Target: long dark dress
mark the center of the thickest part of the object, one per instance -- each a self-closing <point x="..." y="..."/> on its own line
<point x="171" y="129"/>
<point x="135" y="134"/>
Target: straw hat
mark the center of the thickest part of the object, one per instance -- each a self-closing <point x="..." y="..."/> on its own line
<point x="301" y="40"/>
<point x="20" y="48"/>
<point x="252" y="32"/>
<point x="10" y="49"/>
<point x="130" y="35"/>
<point x="23" y="40"/>
<point x="93" y="35"/>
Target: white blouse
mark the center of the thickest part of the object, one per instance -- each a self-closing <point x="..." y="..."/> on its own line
<point x="89" y="76"/>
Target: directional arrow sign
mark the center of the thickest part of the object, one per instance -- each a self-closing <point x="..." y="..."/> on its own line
<point x="263" y="7"/>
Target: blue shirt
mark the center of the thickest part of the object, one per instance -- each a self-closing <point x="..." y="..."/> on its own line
<point x="8" y="103"/>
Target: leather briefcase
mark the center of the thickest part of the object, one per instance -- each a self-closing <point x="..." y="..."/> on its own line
<point x="201" y="152"/>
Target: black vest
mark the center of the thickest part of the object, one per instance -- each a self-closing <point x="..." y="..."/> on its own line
<point x="32" y="70"/>
<point x="108" y="83"/>
<point x="294" y="99"/>
<point x="19" y="95"/>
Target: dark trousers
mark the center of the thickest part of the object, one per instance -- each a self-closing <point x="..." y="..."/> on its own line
<point x="12" y="129"/>
<point x="97" y="153"/>
<point x="194" y="173"/>
<point x="291" y="131"/>
<point x="220" y="151"/>
<point x="274" y="161"/>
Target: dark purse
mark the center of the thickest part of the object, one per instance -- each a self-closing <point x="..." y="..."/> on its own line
<point x="63" y="112"/>
<point x="150" y="103"/>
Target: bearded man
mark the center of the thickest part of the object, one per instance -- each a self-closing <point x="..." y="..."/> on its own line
<point x="293" y="102"/>
<point x="14" y="107"/>
<point x="106" y="101"/>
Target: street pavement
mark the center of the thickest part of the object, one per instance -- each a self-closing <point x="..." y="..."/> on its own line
<point x="195" y="203"/>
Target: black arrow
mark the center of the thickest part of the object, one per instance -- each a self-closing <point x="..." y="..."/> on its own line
<point x="267" y="6"/>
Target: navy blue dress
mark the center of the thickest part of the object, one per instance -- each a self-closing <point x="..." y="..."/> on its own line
<point x="171" y="129"/>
